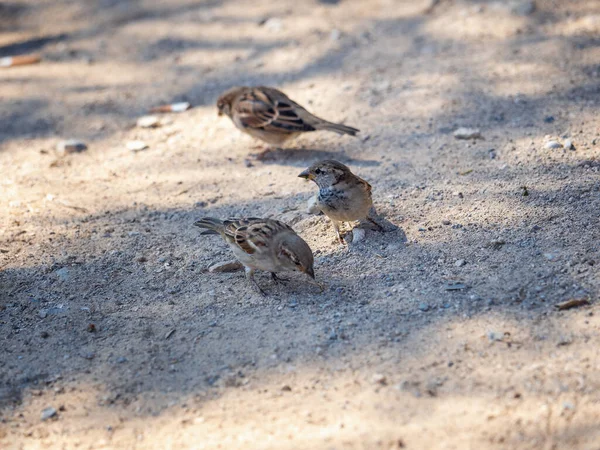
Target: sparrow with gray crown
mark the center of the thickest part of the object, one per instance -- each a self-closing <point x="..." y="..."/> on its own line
<point x="269" y="115"/>
<point x="262" y="244"/>
<point x="343" y="196"/>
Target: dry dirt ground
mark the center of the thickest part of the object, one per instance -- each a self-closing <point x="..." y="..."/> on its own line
<point x="441" y="335"/>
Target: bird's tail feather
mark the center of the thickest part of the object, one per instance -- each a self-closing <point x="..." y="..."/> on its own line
<point x="337" y="128"/>
<point x="211" y="225"/>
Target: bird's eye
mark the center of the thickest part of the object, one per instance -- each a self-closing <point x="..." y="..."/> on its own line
<point x="318" y="171"/>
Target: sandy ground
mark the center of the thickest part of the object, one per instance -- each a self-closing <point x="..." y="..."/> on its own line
<point x="441" y="335"/>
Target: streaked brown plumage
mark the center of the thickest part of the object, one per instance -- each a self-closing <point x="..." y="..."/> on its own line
<point x="271" y="116"/>
<point x="262" y="244"/>
<point x="343" y="196"/>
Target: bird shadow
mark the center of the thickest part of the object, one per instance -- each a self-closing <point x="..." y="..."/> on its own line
<point x="303" y="156"/>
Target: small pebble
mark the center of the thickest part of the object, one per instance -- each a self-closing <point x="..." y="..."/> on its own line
<point x="70" y="146"/>
<point x="467" y="133"/>
<point x="63" y="274"/>
<point x="312" y="205"/>
<point x="379" y="378"/>
<point x="424" y="307"/>
<point x="48" y="413"/>
<point x="173" y="107"/>
<point x="549" y="119"/>
<point x="445" y="222"/>
<point x="148" y="122"/>
<point x="495" y="336"/>
<point x="568" y="144"/>
<point x="335" y="34"/>
<point x="552" y="145"/>
<point x="136" y="146"/>
<point x="229" y="266"/>
<point x="460" y="263"/>
<point x="273" y="24"/>
<point x="358" y="234"/>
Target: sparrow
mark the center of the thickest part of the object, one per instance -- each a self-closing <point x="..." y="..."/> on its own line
<point x="262" y="244"/>
<point x="271" y="116"/>
<point x="343" y="196"/>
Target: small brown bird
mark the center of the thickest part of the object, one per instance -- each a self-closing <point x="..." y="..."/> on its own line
<point x="343" y="197"/>
<point x="263" y="244"/>
<point x="269" y="115"/>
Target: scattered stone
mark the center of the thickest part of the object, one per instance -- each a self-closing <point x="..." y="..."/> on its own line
<point x="44" y="335"/>
<point x="335" y="35"/>
<point x="549" y="119"/>
<point x="456" y="287"/>
<point x="496" y="244"/>
<point x="43" y="313"/>
<point x="446" y="222"/>
<point x="564" y="340"/>
<point x="121" y="360"/>
<point x="286" y="388"/>
<point x="568" y="406"/>
<point x="63" y="274"/>
<point x="169" y="333"/>
<point x="572" y="303"/>
<point x="467" y="133"/>
<point x="148" y="122"/>
<point x="460" y="263"/>
<point x="568" y="144"/>
<point x="552" y="145"/>
<point x="48" y="413"/>
<point x="495" y="336"/>
<point x="273" y="24"/>
<point x="423" y="307"/>
<point x="312" y="205"/>
<point x="379" y="378"/>
<point x="70" y="146"/>
<point x="173" y="107"/>
<point x="358" y="234"/>
<point x="136" y="146"/>
<point x="229" y="266"/>
<point x="492" y="153"/>
<point x="89" y="356"/>
<point x="550" y="256"/>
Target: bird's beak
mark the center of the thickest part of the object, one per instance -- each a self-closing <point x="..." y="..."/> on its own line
<point x="306" y="175"/>
<point x="220" y="113"/>
<point x="310" y="272"/>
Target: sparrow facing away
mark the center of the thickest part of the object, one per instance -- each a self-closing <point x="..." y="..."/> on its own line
<point x="343" y="197"/>
<point x="269" y="115"/>
<point x="263" y="244"/>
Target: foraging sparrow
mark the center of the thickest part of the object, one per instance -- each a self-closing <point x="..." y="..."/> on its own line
<point x="263" y="244"/>
<point x="343" y="196"/>
<point x="269" y="115"/>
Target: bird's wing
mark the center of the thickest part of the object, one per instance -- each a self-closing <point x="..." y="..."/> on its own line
<point x="270" y="110"/>
<point x="252" y="234"/>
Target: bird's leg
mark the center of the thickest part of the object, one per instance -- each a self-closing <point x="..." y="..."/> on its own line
<point x="336" y="227"/>
<point x="377" y="226"/>
<point x="250" y="278"/>
<point x="277" y="279"/>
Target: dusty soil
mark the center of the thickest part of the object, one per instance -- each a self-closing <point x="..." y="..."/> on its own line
<point x="443" y="334"/>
